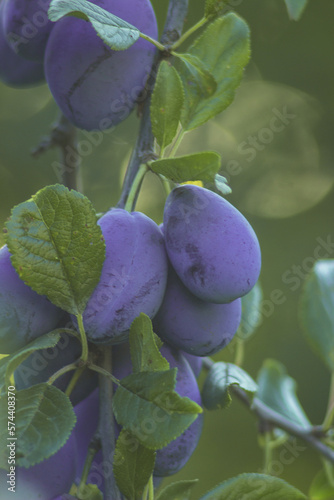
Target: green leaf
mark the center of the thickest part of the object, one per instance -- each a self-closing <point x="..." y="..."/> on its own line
<point x="250" y="313"/>
<point x="44" y="421"/>
<point x="166" y="104"/>
<point x="215" y="392"/>
<point x="317" y="310"/>
<point x="146" y="405"/>
<point x="221" y="185"/>
<point x="57" y="247"/>
<point x="181" y="490"/>
<point x="9" y="364"/>
<point x="295" y="8"/>
<point x="278" y="391"/>
<point x="145" y="354"/>
<point x="320" y="488"/>
<point x="224" y="49"/>
<point x="115" y="32"/>
<point x="214" y="7"/>
<point x="198" y="71"/>
<point x="195" y="167"/>
<point x="133" y="465"/>
<point x="254" y="487"/>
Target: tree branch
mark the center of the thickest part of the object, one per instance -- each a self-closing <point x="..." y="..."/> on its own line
<point x="64" y="136"/>
<point x="271" y="418"/>
<point x="144" y="148"/>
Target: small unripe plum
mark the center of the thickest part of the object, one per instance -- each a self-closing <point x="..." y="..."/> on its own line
<point x="24" y="314"/>
<point x="133" y="278"/>
<point x="40" y="365"/>
<point x="94" y="86"/>
<point x="176" y="454"/>
<point x="14" y="70"/>
<point x="46" y="480"/>
<point x="193" y="325"/>
<point x="210" y="244"/>
<point x="27" y="27"/>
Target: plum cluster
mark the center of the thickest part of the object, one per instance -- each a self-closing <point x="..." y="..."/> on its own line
<point x="188" y="276"/>
<point x="95" y="87"/>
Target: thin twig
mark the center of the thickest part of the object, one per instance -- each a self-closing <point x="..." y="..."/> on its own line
<point x="63" y="136"/>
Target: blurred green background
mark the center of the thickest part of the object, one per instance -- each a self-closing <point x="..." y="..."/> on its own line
<point x="282" y="181"/>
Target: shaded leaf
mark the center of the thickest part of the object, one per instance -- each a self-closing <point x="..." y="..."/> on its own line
<point x="317" y="310"/>
<point x="215" y="392"/>
<point x="147" y="405"/>
<point x="196" y="167"/>
<point x="133" y="465"/>
<point x="278" y="391"/>
<point x="9" y="364"/>
<point x="254" y="487"/>
<point x="320" y="488"/>
<point x="57" y="247"/>
<point x="145" y="354"/>
<point x="224" y="49"/>
<point x="214" y="7"/>
<point x="181" y="490"/>
<point x="166" y="104"/>
<point x="115" y="32"/>
<point x="251" y="316"/>
<point x="295" y="8"/>
<point x="197" y="69"/>
<point x="44" y="421"/>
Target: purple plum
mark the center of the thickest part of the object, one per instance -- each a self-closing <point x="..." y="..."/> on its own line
<point x="196" y="362"/>
<point x="210" y="244"/>
<point x="133" y="278"/>
<point x="24" y="315"/>
<point x="14" y="70"/>
<point x="188" y="323"/>
<point x="46" y="480"/>
<point x="175" y="455"/>
<point x="94" y="86"/>
<point x="27" y="27"/>
<point x="40" y="365"/>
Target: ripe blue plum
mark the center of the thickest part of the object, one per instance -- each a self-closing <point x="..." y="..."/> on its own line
<point x="27" y="27"/>
<point x="47" y="479"/>
<point x="40" y="365"/>
<point x="94" y="86"/>
<point x="196" y="362"/>
<point x="210" y="244"/>
<point x="176" y="454"/>
<point x="24" y="315"/>
<point x="14" y="70"/>
<point x="133" y="278"/>
<point x="193" y="325"/>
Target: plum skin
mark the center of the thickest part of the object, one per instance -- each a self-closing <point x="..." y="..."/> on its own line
<point x="188" y="323"/>
<point x="176" y="454"/>
<point x="48" y="479"/>
<point x="211" y="245"/>
<point x="94" y="86"/>
<point x="133" y="278"/>
<point x="24" y="314"/>
<point x="27" y="27"/>
<point x="14" y="70"/>
<point x="40" y="365"/>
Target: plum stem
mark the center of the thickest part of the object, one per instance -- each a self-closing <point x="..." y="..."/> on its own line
<point x="154" y="42"/>
<point x="83" y="337"/>
<point x="104" y="372"/>
<point x="107" y="425"/>
<point x="189" y="32"/>
<point x="328" y="421"/>
<point x="76" y="375"/>
<point x="61" y="372"/>
<point x="131" y="201"/>
<point x="94" y="447"/>
<point x="64" y="136"/>
<point x="144" y="149"/>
